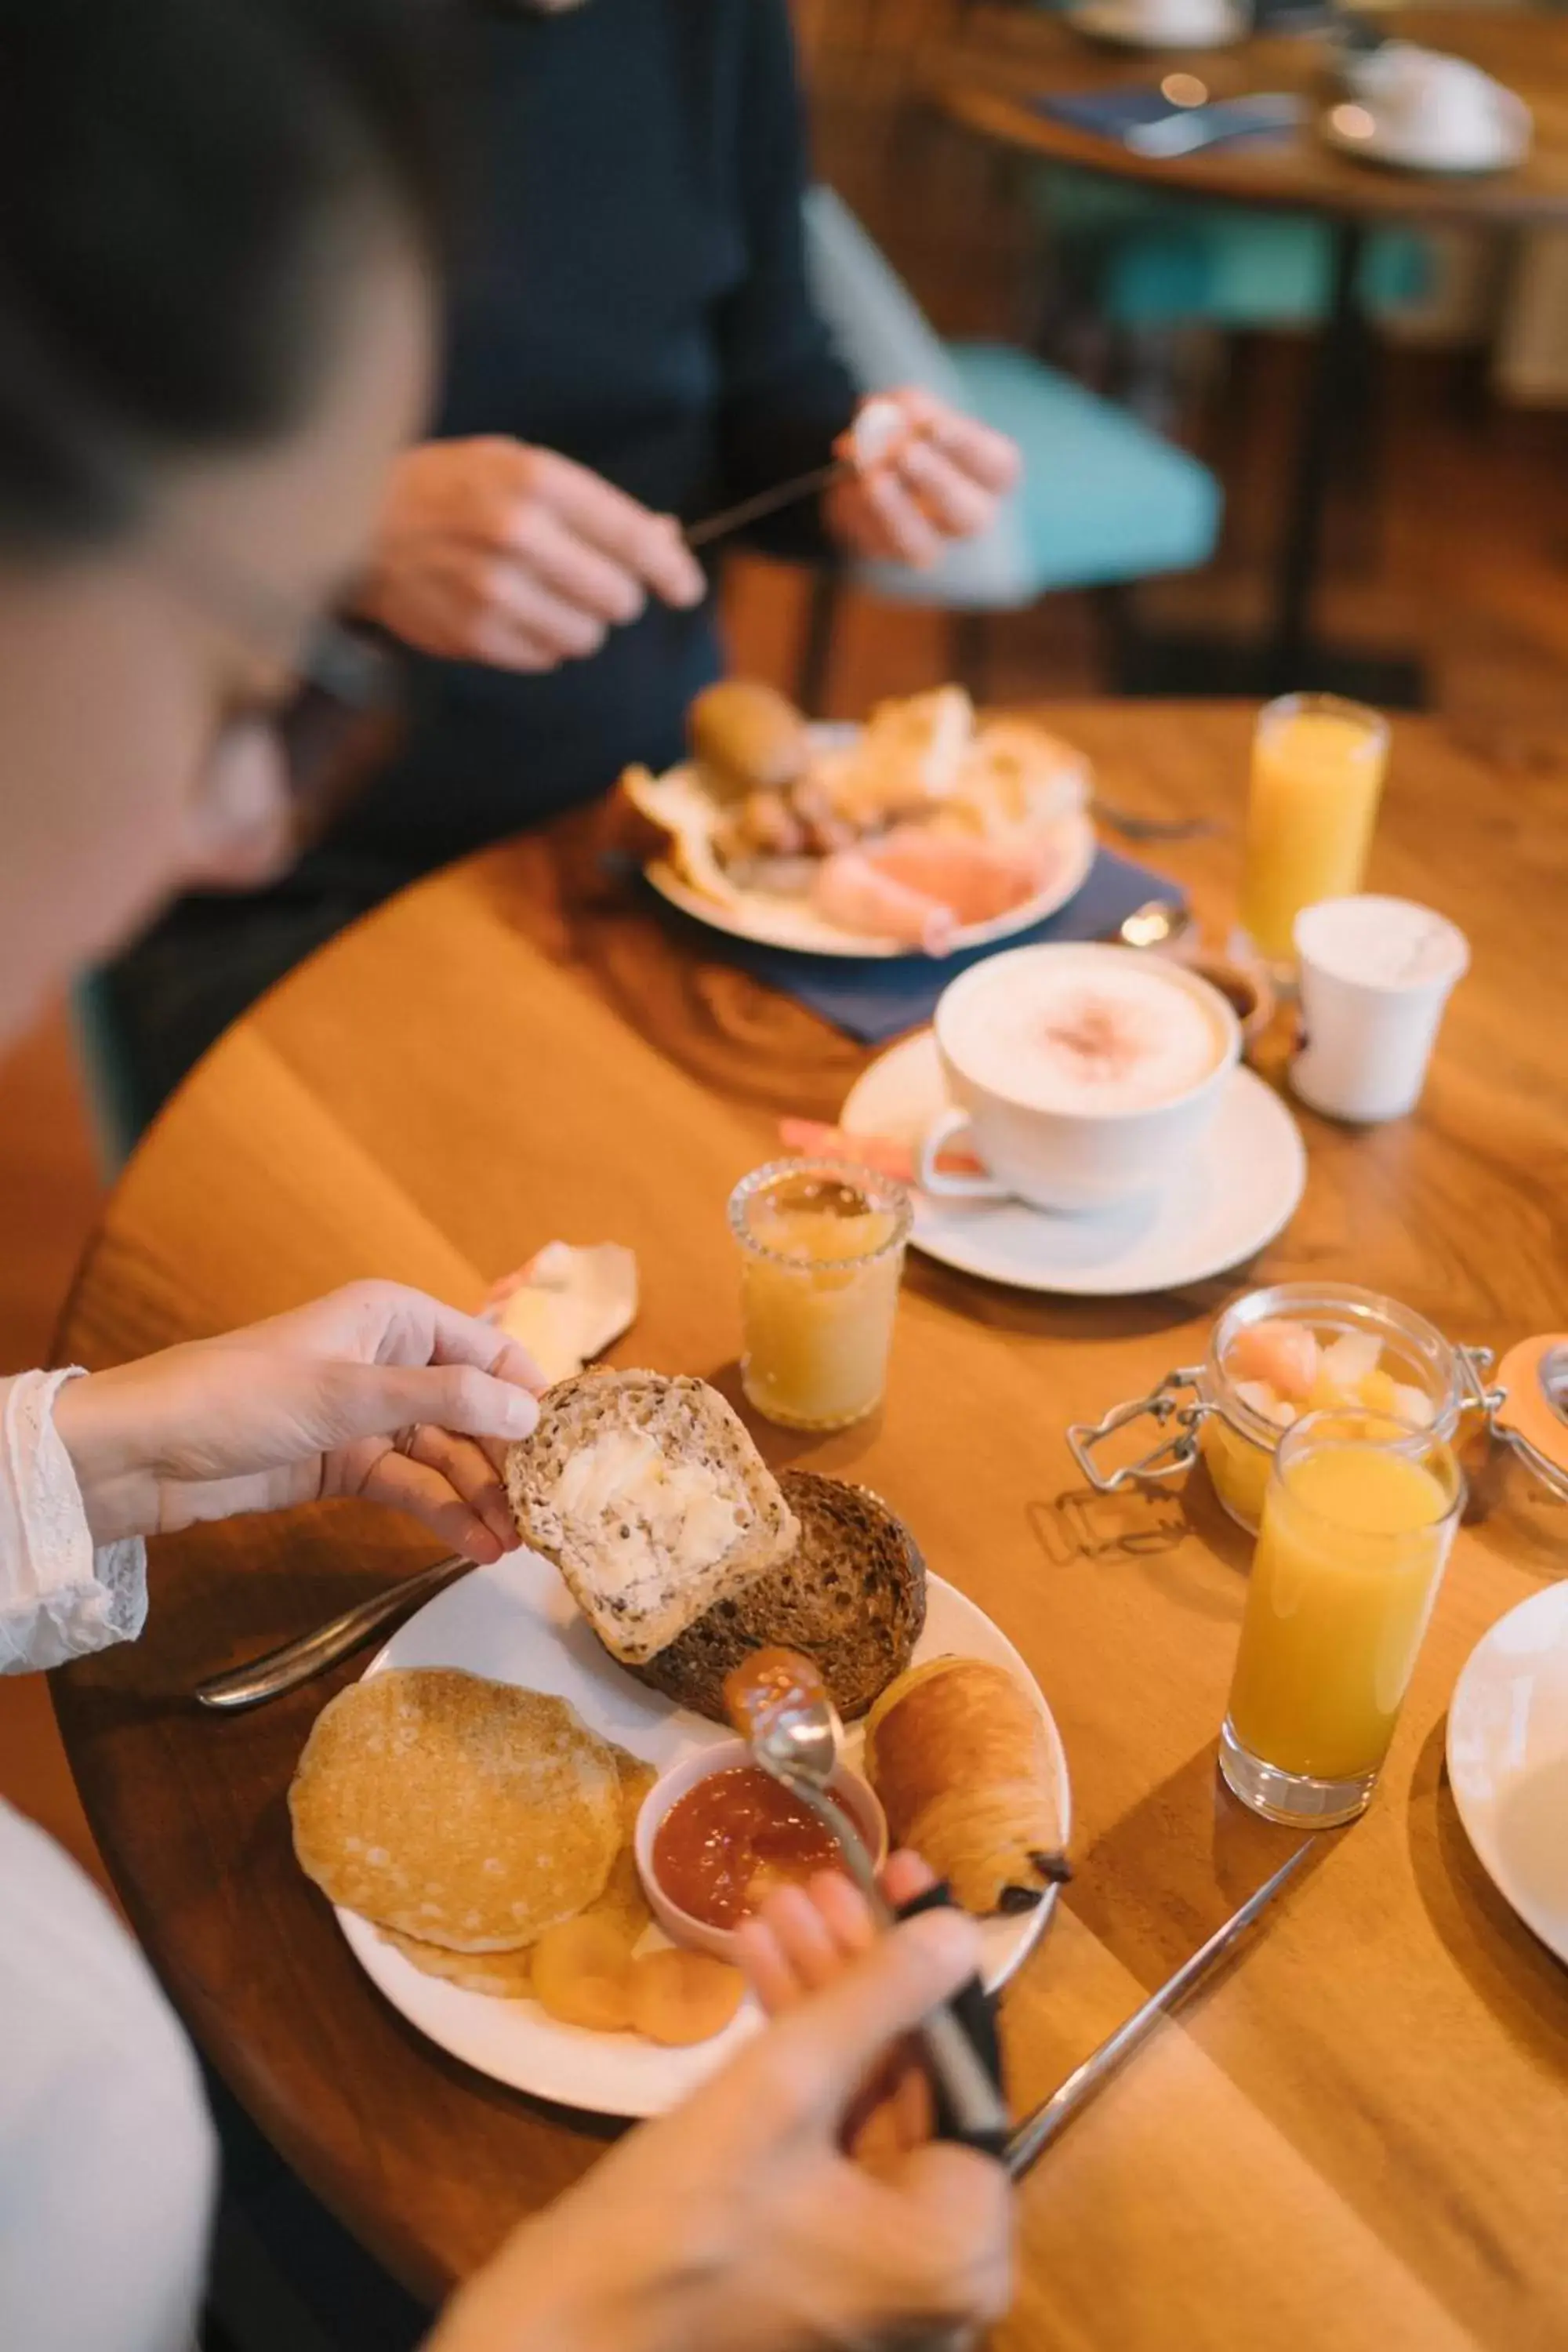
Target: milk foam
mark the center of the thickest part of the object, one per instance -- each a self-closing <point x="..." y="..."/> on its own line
<point x="1091" y="1036"/>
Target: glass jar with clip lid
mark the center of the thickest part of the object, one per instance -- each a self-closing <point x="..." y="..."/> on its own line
<point x="1336" y="1344"/>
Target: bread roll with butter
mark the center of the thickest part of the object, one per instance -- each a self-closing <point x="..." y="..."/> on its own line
<point x="957" y="1752"/>
<point x="649" y="1496"/>
<point x="746" y="738"/>
<point x="851" y="1597"/>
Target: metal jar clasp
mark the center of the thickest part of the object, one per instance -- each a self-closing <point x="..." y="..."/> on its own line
<point x="1177" y="1450"/>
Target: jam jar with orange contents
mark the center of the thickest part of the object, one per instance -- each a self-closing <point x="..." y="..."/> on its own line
<point x="1338" y="1345"/>
<point x="734" y="1839"/>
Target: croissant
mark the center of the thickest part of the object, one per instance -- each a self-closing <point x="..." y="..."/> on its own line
<point x="958" y="1754"/>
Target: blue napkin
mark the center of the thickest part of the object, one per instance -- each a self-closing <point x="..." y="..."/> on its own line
<point x="875" y="1000"/>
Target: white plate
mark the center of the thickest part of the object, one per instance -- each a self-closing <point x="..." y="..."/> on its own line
<point x="1240" y="1188"/>
<point x="1378" y="145"/>
<point x="516" y="1623"/>
<point x="1126" y="25"/>
<point x="1508" y="1759"/>
<point x="786" y="923"/>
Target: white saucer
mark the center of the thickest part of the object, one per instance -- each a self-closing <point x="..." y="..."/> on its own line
<point x="1507" y="1760"/>
<point x="1123" y="23"/>
<point x="1375" y="143"/>
<point x="1237" y="1192"/>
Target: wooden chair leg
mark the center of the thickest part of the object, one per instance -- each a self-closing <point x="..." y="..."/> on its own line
<point x="813" y="675"/>
<point x="1118" y="632"/>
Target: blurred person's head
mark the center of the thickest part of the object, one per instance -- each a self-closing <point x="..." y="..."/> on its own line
<point x="215" y="321"/>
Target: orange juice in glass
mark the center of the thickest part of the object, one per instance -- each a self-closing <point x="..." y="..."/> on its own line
<point x="1357" y="1524"/>
<point x="1318" y="766"/>
<point x="822" y="1252"/>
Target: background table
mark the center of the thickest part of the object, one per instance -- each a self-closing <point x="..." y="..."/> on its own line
<point x="1357" y="2139"/>
<point x="999" y="60"/>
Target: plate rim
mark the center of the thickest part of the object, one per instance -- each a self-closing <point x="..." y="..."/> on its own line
<point x="860" y="947"/>
<point x="362" y="1935"/>
<point x="1202" y="1270"/>
<point x="1473" y="1812"/>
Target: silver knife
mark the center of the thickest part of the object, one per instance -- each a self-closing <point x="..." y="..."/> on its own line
<point x="767" y="502"/>
<point x="1207" y="126"/>
<point x="1037" y="2132"/>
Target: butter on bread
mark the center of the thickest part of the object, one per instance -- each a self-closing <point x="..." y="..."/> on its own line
<point x="851" y="1597"/>
<point x="650" y="1499"/>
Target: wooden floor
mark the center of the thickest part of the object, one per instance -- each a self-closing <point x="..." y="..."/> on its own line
<point x="1467" y="559"/>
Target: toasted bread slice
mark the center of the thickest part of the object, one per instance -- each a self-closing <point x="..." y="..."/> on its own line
<point x="851" y="1596"/>
<point x="652" y="1501"/>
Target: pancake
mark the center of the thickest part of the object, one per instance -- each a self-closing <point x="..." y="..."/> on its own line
<point x="508" y="1976"/>
<point x="465" y="1813"/>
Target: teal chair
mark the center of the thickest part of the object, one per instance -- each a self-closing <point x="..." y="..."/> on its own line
<point x="1143" y="261"/>
<point x="118" y="1105"/>
<point x="1103" y="501"/>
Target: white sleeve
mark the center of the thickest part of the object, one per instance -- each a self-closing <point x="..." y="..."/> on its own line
<point x="60" y="1599"/>
<point x="108" y="2164"/>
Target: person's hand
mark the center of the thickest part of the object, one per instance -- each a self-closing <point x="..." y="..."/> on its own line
<point x="943" y="478"/>
<point x="738" y="2223"/>
<point x="490" y="551"/>
<point x="375" y="1390"/>
<point x="802" y="1941"/>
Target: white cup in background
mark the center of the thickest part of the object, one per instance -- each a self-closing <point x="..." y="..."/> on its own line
<point x="1175" y="21"/>
<point x="1375" y="975"/>
<point x="1081" y="1076"/>
<point x="1436" y="108"/>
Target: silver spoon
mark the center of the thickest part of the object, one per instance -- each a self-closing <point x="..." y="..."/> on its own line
<point x="798" y="1740"/>
<point x="1154" y="924"/>
<point x="293" y="1663"/>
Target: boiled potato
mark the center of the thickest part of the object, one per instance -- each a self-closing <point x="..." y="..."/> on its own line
<point x="582" y="1974"/>
<point x="679" y="1996"/>
<point x="747" y="738"/>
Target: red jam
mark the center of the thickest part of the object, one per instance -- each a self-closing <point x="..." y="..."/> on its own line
<point x="733" y="1839"/>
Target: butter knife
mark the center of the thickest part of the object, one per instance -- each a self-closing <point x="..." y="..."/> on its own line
<point x="292" y="1662"/>
<point x="1037" y="2131"/>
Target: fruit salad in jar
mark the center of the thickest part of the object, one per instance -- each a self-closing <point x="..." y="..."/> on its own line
<point x="1300" y="1347"/>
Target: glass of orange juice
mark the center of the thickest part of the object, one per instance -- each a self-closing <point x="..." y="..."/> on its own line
<point x="822" y="1252"/>
<point x="1357" y="1524"/>
<point x="1318" y="766"/>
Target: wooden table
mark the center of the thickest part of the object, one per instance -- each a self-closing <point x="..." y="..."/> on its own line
<point x="999" y="60"/>
<point x="1358" y="2137"/>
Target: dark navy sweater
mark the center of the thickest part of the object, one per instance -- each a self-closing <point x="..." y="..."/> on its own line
<point x="633" y="295"/>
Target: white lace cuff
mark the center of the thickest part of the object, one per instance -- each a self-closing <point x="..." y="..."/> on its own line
<point x="60" y="1599"/>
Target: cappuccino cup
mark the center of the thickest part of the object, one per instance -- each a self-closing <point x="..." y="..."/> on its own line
<point x="1081" y="1076"/>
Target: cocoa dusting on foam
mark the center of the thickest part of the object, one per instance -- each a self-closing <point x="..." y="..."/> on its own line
<point x="1102" y="1042"/>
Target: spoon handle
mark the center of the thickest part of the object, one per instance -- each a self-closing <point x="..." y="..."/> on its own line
<point x="293" y="1663"/>
<point x="968" y="2095"/>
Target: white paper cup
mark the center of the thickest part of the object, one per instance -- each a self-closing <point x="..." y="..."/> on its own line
<point x="1375" y="974"/>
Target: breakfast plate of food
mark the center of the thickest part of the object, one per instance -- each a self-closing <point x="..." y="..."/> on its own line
<point x="471" y="1806"/>
<point x="926" y="831"/>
